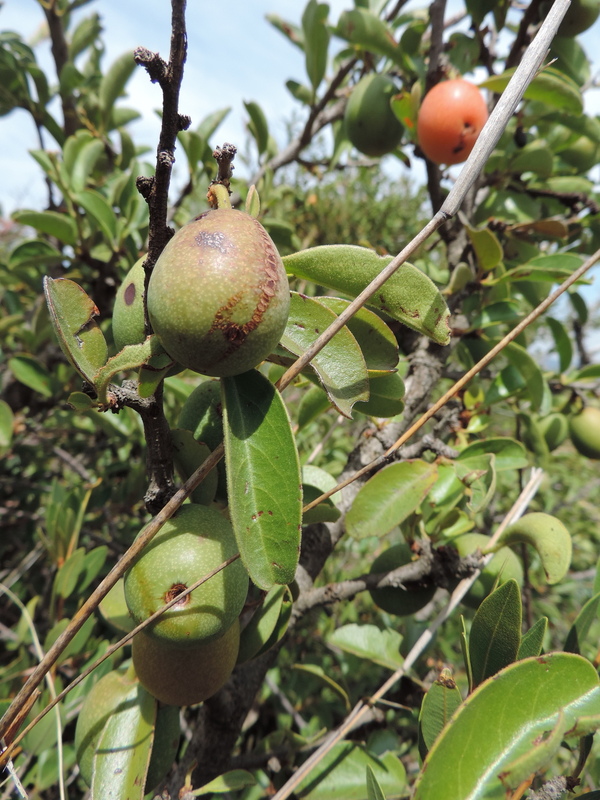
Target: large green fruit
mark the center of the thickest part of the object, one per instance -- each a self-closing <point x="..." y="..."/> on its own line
<point x="182" y="676"/>
<point x="397" y="600"/>
<point x="191" y="544"/>
<point x="580" y="16"/>
<point x="585" y="432"/>
<point x="371" y="125"/>
<point x="219" y="297"/>
<point x="503" y="566"/>
<point x="112" y="694"/>
<point x="128" y="312"/>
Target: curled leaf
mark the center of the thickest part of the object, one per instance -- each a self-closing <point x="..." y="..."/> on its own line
<point x="548" y="536"/>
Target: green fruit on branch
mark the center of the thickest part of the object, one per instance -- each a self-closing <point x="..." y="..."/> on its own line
<point x="128" y="312"/>
<point x="184" y="676"/>
<point x="503" y="566"/>
<point x="371" y="125"/>
<point x="189" y="545"/>
<point x="397" y="599"/>
<point x="580" y="16"/>
<point x="584" y="429"/>
<point x="218" y="297"/>
<point x="113" y="693"/>
<point x="555" y="429"/>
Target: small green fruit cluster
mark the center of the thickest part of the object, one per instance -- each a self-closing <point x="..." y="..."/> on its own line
<point x="190" y="650"/>
<point x="218" y="297"/>
<point x="398" y="600"/>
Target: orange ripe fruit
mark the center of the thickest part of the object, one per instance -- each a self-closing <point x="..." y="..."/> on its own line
<point x="450" y="119"/>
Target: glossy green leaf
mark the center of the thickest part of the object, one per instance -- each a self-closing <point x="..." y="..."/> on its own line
<point x="386" y="394"/>
<point x="232" y="781"/>
<point x="123" y="754"/>
<point x="488" y="250"/>
<point x="259" y="629"/>
<point x="313" y="403"/>
<point x="85" y="162"/>
<point x="375" y="339"/>
<point x="563" y="345"/>
<point x="478" y="474"/>
<point x="72" y="315"/>
<point x="506" y="311"/>
<point x="290" y="30"/>
<point x="370" y="642"/>
<point x="114" y="80"/>
<point x="188" y="455"/>
<point x="79" y="401"/>
<point x="35" y="252"/>
<point x="263" y="478"/>
<point x="315" y="481"/>
<point x="154" y="370"/>
<point x="316" y="40"/>
<point x="550" y="86"/>
<point x="258" y="126"/>
<point x="409" y="296"/>
<point x="530" y="372"/>
<point x="511" y="726"/>
<point x="61" y="226"/>
<point x="374" y="790"/>
<point x="441" y="701"/>
<point x="507" y="383"/>
<point x="535" y="157"/>
<point x="28" y="371"/>
<point x="317" y="671"/>
<point x="365" y="29"/>
<point x="300" y="92"/>
<point x="533" y="640"/>
<point x="252" y="204"/>
<point x="6" y="427"/>
<point x="508" y="453"/>
<point x="495" y="634"/>
<point x="548" y="536"/>
<point x="340" y="365"/>
<point x="340" y="775"/>
<point x="582" y="624"/>
<point x="97" y="208"/>
<point x="548" y="269"/>
<point x="389" y="497"/>
<point x="67" y="577"/>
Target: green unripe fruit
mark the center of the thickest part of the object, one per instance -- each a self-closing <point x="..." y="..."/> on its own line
<point x="182" y="676"/>
<point x="189" y="545"/>
<point x="219" y="297"/>
<point x="128" y="312"/>
<point x="585" y="432"/>
<point x="555" y="429"/>
<point x="580" y="16"/>
<point x="395" y="599"/>
<point x="371" y="125"/>
<point x="503" y="566"/>
<point x="109" y="696"/>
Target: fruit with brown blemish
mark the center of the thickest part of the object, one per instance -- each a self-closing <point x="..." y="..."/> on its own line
<point x="218" y="297"/>
<point x="128" y="312"/>
<point x="184" y="676"/>
<point x="197" y="540"/>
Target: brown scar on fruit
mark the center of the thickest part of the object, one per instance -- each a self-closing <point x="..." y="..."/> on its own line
<point x="174" y="592"/>
<point x="129" y="294"/>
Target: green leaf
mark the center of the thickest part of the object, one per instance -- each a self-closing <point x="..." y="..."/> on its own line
<point x="130" y="357"/>
<point x="340" y="775"/>
<point x="28" y="371"/>
<point x="409" y="296"/>
<point x="548" y="269"/>
<point x="533" y="640"/>
<point x="263" y="478"/>
<point x="530" y="372"/>
<point x="114" y="81"/>
<point x="508" y="453"/>
<point x="582" y="624"/>
<point x="389" y="497"/>
<point x="259" y="629"/>
<point x="317" y="671"/>
<point x="548" y="536"/>
<point x="84" y="163"/>
<point x="385" y="396"/>
<point x="368" y="641"/>
<point x="97" y="208"/>
<point x="441" y="701"/>
<point x="188" y="455"/>
<point x="35" y="252"/>
<point x="316" y="40"/>
<point x="488" y="249"/>
<point x="315" y="481"/>
<point x="258" y="126"/>
<point x="366" y="30"/>
<point x="478" y="473"/>
<point x="374" y="790"/>
<point x="67" y="577"/>
<point x="72" y="315"/>
<point x="61" y="226"/>
<point x="314" y="402"/>
<point x="231" y="781"/>
<point x="562" y="341"/>
<point x="123" y="754"/>
<point x="495" y="634"/>
<point x="516" y="720"/>
<point x="292" y="32"/>
<point x="374" y="337"/>
<point x="550" y="86"/>
<point x="7" y="420"/>
<point x="340" y="364"/>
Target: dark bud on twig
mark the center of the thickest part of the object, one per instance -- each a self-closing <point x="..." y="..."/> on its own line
<point x="144" y="186"/>
<point x="153" y="63"/>
<point x="183" y="122"/>
<point x="224" y="157"/>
